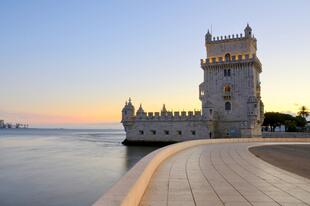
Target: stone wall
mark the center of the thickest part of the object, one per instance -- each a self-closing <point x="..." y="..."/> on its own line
<point x="169" y="131"/>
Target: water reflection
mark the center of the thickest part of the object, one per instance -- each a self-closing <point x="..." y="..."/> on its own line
<point x="62" y="167"/>
<point x="135" y="153"/>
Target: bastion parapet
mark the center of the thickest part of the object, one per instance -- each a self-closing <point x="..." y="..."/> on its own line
<point x="234" y="59"/>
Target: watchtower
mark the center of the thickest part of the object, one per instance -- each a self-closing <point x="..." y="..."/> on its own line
<point x="230" y="92"/>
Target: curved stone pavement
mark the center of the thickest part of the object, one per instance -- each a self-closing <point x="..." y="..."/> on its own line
<point x="224" y="174"/>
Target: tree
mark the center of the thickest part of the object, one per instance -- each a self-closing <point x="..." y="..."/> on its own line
<point x="290" y="126"/>
<point x="291" y="123"/>
<point x="304" y="112"/>
<point x="300" y="121"/>
<point x="275" y="119"/>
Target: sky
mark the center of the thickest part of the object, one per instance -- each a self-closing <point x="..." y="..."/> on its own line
<point x="76" y="62"/>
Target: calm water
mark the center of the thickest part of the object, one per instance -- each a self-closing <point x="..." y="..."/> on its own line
<point x="62" y="167"/>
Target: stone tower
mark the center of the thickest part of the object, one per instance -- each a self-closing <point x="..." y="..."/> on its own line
<point x="230" y="92"/>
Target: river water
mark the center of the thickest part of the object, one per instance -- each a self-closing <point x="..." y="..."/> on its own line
<point x="62" y="167"/>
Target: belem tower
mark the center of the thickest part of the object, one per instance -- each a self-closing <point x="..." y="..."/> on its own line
<point x="230" y="98"/>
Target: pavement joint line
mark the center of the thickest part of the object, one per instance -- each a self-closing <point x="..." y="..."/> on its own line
<point x="212" y="162"/>
<point x="245" y="178"/>
<point x="186" y="172"/>
<point x="286" y="173"/>
<point x="293" y="196"/>
<point x="218" y="196"/>
<point x="169" y="181"/>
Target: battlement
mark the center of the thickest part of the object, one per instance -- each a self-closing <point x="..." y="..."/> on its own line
<point x="226" y="38"/>
<point x="169" y="116"/>
<point x="129" y="114"/>
<point x="244" y="58"/>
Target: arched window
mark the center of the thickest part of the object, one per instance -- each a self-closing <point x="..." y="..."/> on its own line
<point x="227" y="57"/>
<point x="228" y="72"/>
<point x="227" y="106"/>
<point x="227" y="88"/>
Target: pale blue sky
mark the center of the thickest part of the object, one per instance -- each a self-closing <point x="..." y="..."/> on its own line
<point x="77" y="61"/>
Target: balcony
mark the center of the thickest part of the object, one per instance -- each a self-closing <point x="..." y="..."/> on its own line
<point x="227" y="95"/>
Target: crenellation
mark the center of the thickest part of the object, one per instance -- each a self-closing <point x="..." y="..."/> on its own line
<point x="219" y="39"/>
<point x="241" y="58"/>
<point x="166" y="115"/>
<point x="177" y="114"/>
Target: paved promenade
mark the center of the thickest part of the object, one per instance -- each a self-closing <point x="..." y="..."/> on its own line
<point x="224" y="174"/>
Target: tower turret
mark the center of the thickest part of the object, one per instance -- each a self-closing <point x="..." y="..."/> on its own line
<point x="140" y="111"/>
<point x="248" y="31"/>
<point x="128" y="112"/>
<point x="207" y="110"/>
<point x="208" y="36"/>
<point x="164" y="110"/>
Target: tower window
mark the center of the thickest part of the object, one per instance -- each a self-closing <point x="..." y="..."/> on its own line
<point x="227" y="106"/>
<point x="166" y="132"/>
<point x="210" y="111"/>
<point x="227" y="88"/>
<point x="179" y="132"/>
<point x="227" y="73"/>
<point x="141" y="132"/>
<point x="227" y="57"/>
<point x="202" y="93"/>
<point x="193" y="132"/>
<point x="153" y="132"/>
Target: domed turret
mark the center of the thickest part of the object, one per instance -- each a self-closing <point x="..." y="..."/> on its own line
<point x="164" y="110"/>
<point x="208" y="36"/>
<point x="128" y="112"/>
<point x="140" y="111"/>
<point x="248" y="31"/>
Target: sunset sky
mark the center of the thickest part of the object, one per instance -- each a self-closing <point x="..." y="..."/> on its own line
<point x="76" y="62"/>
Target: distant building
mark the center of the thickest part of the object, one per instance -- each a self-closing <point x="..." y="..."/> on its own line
<point x="230" y="97"/>
<point x="308" y="126"/>
<point x="2" y="125"/>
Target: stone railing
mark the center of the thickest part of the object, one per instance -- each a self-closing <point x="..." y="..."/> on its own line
<point x="285" y="134"/>
<point x="129" y="190"/>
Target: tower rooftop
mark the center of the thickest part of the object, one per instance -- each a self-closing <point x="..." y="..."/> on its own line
<point x="235" y="44"/>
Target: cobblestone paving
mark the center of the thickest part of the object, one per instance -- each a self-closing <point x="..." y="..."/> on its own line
<point x="224" y="174"/>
